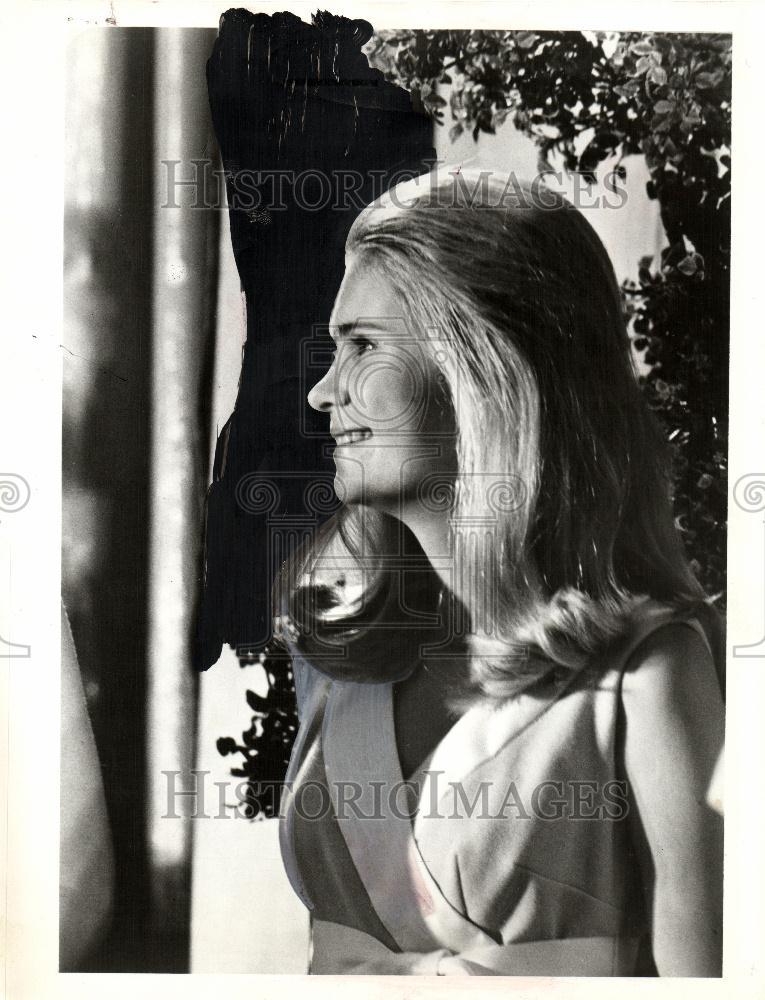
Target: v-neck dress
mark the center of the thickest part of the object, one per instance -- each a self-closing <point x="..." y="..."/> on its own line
<point x="517" y="860"/>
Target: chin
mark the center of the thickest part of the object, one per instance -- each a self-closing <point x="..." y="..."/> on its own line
<point x="382" y="495"/>
<point x="347" y="491"/>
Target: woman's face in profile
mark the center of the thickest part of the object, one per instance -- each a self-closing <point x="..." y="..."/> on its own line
<point x="388" y="411"/>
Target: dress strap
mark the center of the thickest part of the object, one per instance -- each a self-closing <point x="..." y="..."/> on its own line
<point x="654" y="619"/>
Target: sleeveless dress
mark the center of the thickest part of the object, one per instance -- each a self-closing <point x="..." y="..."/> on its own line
<point x="507" y="853"/>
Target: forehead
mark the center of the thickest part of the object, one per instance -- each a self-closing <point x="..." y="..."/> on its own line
<point x="365" y="293"/>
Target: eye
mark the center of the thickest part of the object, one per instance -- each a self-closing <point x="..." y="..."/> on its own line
<point x="362" y="344"/>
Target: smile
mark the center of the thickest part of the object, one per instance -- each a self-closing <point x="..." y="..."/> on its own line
<point x="352" y="437"/>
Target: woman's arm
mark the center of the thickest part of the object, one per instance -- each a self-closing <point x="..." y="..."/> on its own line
<point x="674" y="732"/>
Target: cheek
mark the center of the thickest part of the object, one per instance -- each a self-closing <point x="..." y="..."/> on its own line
<point x="389" y="396"/>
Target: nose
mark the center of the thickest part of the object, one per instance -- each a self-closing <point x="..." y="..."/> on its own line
<point x="324" y="394"/>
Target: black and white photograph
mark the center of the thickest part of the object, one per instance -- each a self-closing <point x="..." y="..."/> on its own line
<point x="406" y="612"/>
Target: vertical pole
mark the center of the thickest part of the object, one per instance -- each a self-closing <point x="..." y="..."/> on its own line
<point x="185" y="247"/>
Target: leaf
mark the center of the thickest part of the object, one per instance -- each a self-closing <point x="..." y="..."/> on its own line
<point x="641" y="48"/>
<point x="456" y="131"/>
<point x="525" y="39"/>
<point x="643" y="65"/>
<point x="663" y="107"/>
<point x="706" y="80"/>
<point x="226" y="745"/>
<point x="257" y="703"/>
<point x="550" y="131"/>
<point x="687" y="265"/>
<point x="434" y="101"/>
<point x="658" y="75"/>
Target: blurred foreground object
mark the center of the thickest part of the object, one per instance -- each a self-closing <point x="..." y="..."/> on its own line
<point x="716" y="793"/>
<point x="86" y="882"/>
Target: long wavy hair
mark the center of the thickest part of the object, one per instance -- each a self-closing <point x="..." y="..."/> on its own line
<point x="561" y="509"/>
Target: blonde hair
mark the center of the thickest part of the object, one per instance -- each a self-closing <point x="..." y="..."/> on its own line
<point x="561" y="510"/>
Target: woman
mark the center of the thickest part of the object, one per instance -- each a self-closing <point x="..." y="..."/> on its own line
<point x="510" y="708"/>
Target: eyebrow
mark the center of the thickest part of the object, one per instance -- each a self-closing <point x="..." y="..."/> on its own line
<point x="341" y="330"/>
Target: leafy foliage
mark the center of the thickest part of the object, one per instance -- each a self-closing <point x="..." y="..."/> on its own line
<point x="586" y="97"/>
<point x="267" y="744"/>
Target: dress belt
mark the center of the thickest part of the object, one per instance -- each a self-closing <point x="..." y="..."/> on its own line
<point x="338" y="950"/>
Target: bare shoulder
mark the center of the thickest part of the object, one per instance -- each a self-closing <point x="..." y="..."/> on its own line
<point x="672" y="739"/>
<point x="671" y="668"/>
<point x="673" y="707"/>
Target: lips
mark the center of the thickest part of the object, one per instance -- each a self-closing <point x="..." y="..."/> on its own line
<point x="352" y="436"/>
